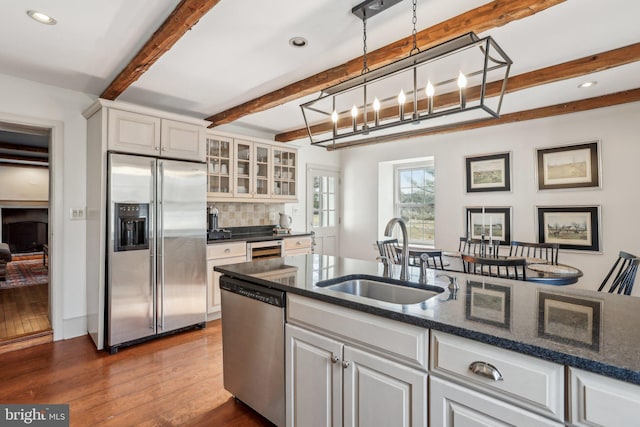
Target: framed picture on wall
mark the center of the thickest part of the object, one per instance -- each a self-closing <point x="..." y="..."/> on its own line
<point x="572" y="227"/>
<point x="570" y="166"/>
<point x="569" y="320"/>
<point x="490" y="172"/>
<point x="493" y="222"/>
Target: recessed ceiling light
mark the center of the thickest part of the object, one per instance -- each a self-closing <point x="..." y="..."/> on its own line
<point x="42" y="18"/>
<point x="298" y="42"/>
<point x="587" y="84"/>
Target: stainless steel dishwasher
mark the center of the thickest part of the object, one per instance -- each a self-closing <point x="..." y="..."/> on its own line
<point x="253" y="346"/>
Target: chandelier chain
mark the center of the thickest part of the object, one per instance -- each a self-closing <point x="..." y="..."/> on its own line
<point x="414" y="32"/>
<point x="365" y="68"/>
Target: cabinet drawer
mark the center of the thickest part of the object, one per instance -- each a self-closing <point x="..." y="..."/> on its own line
<point x="226" y="250"/>
<point x="600" y="401"/>
<point x="293" y="243"/>
<point x="527" y="381"/>
<point x="400" y="341"/>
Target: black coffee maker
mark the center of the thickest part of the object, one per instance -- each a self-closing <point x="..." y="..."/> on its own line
<point x="213" y="231"/>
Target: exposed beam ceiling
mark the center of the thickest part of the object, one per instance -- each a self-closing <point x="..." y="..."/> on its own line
<point x="536" y="113"/>
<point x="184" y="16"/>
<point x="576" y="68"/>
<point x="480" y="19"/>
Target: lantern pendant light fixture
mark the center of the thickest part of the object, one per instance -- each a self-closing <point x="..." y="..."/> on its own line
<point x="460" y="81"/>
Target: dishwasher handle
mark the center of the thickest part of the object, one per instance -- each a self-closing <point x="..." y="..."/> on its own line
<point x="260" y="293"/>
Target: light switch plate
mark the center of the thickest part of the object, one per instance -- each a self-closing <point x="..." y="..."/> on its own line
<point x="76" y="213"/>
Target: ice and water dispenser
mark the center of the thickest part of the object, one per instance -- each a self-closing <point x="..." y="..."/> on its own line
<point x="132" y="226"/>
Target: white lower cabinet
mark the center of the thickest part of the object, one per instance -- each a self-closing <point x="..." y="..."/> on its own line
<point x="220" y="254"/>
<point x="332" y="383"/>
<point x="453" y="405"/>
<point x="600" y="401"/>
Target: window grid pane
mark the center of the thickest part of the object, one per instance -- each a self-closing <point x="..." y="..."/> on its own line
<point x="415" y="202"/>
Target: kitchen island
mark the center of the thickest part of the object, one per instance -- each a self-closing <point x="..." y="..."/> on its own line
<point x="579" y="332"/>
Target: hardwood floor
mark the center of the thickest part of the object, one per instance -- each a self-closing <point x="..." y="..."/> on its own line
<point x="24" y="311"/>
<point x="171" y="381"/>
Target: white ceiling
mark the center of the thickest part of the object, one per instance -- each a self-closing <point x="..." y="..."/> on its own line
<point x="240" y="49"/>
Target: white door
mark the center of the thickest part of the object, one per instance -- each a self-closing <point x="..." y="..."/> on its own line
<point x="323" y="213"/>
<point x="380" y="392"/>
<point x="313" y="375"/>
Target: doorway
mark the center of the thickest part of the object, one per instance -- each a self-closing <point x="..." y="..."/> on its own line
<point x="323" y="208"/>
<point x="25" y="232"/>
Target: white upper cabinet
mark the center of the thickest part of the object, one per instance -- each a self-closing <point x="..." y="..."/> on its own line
<point x="138" y="133"/>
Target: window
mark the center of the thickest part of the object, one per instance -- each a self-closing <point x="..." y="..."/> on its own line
<point x="414" y="195"/>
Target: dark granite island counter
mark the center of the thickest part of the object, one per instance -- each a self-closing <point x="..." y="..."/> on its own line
<point x="593" y="331"/>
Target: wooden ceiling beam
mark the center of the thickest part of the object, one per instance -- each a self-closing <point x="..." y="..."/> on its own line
<point x="9" y="157"/>
<point x="576" y="68"/>
<point x="18" y="147"/>
<point x="491" y="15"/>
<point x="610" y="100"/>
<point x="184" y="16"/>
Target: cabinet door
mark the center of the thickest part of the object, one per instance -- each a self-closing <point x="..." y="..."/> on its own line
<point x="262" y="171"/>
<point x="285" y="174"/>
<point x="454" y="406"/>
<point x="133" y="133"/>
<point x="182" y="141"/>
<point x="380" y="392"/>
<point x="243" y="169"/>
<point x="314" y="379"/>
<point x="219" y="166"/>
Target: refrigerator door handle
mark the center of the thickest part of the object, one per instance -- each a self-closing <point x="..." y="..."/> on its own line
<point x="161" y="240"/>
<point x="152" y="232"/>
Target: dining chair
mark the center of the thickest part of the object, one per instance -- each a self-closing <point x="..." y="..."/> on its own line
<point x="474" y="246"/>
<point x="544" y="251"/>
<point x="625" y="277"/>
<point x="495" y="267"/>
<point x="389" y="251"/>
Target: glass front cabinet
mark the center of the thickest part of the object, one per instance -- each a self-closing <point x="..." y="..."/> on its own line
<point x="243" y="170"/>
<point x="219" y="166"/>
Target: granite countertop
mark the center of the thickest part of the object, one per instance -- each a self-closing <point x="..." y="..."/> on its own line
<point x="590" y="330"/>
<point x="256" y="234"/>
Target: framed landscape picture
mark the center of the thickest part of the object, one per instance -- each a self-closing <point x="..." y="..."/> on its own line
<point x="569" y="320"/>
<point x="572" y="166"/>
<point x="488" y="173"/>
<point x="572" y="227"/>
<point x="495" y="220"/>
<point x="490" y="304"/>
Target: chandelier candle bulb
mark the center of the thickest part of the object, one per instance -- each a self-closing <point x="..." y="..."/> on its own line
<point x="402" y="98"/>
<point x="334" y="119"/>
<point x="354" y="115"/>
<point x="376" y="111"/>
<point x="430" y="92"/>
<point x="462" y="84"/>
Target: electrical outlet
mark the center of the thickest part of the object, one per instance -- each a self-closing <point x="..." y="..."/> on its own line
<point x="76" y="213"/>
<point x="272" y="216"/>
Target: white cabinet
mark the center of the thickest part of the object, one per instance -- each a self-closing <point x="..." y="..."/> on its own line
<point x="219" y="158"/>
<point x="138" y="133"/>
<point x="330" y="383"/>
<point x="297" y="245"/>
<point x="453" y="405"/>
<point x="220" y="254"/>
<point x="285" y="173"/>
<point x="600" y="401"/>
<point x="252" y="170"/>
<point x="345" y="367"/>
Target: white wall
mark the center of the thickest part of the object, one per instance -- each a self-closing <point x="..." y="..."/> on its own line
<point x="30" y="102"/>
<point x="27" y="183"/>
<point x="617" y="127"/>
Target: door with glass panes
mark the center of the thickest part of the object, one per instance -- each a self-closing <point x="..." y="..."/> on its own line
<point x="323" y="197"/>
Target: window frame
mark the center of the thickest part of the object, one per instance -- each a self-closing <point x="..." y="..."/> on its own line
<point x="397" y="205"/>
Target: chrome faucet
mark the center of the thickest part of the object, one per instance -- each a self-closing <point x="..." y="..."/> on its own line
<point x="404" y="273"/>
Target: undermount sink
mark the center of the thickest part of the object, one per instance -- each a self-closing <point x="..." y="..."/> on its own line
<point x="381" y="289"/>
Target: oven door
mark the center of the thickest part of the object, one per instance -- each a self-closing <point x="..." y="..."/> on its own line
<point x="264" y="250"/>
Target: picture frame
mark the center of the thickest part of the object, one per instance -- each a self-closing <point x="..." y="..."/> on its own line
<point x="488" y="303"/>
<point x="569" y="166"/>
<point x="491" y="172"/>
<point x="572" y="227"/>
<point x="497" y="223"/>
<point x="570" y="320"/>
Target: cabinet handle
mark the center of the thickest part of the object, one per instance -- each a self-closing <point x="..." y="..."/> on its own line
<point x="335" y="359"/>
<point x="486" y="370"/>
<point x="345" y="364"/>
<point x="298" y="243"/>
<point x="226" y="251"/>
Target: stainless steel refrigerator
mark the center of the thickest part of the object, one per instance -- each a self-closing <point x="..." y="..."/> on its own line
<point x="156" y="234"/>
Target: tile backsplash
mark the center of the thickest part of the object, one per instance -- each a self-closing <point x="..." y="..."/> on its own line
<point x="246" y="214"/>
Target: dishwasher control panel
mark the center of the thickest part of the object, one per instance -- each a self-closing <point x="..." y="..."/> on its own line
<point x="265" y="295"/>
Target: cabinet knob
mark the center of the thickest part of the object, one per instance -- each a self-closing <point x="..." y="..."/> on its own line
<point x="345" y="364"/>
<point x="156" y="148"/>
<point x="486" y="370"/>
<point x="335" y="359"/>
